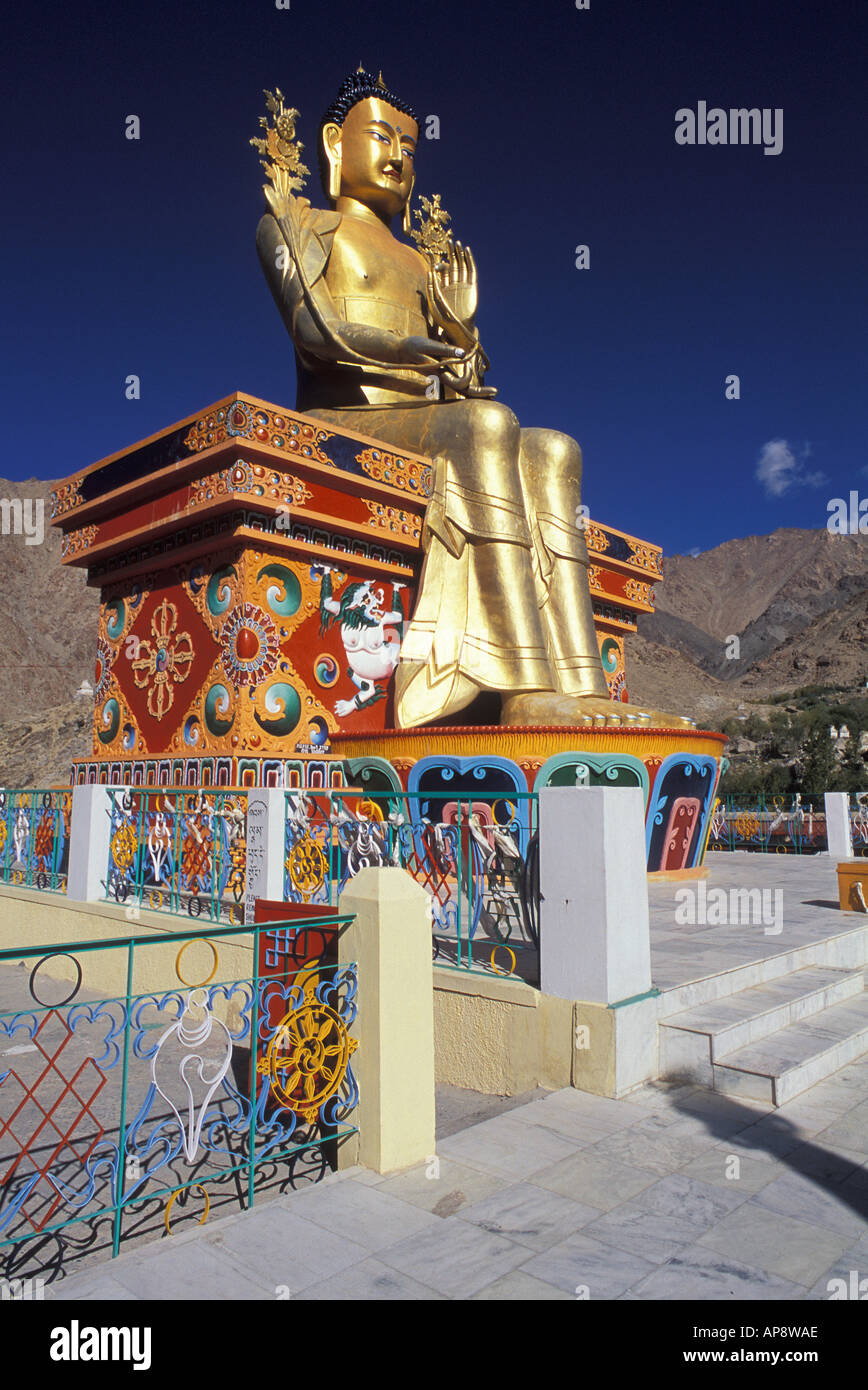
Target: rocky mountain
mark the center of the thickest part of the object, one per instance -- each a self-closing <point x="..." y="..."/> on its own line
<point x="48" y="619"/>
<point x="796" y="600"/>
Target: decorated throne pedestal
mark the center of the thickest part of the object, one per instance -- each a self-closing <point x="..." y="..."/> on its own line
<point x="229" y="550"/>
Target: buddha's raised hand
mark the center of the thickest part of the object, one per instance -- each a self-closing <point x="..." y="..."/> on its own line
<point x="453" y="295"/>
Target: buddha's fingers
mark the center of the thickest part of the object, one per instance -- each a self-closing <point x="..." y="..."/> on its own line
<point x="471" y="265"/>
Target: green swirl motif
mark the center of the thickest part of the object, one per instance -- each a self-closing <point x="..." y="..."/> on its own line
<point x="289" y="604"/>
<point x="218" y="595"/>
<point x="277" y="696"/>
<point x="610" y="654"/>
<point x="217" y="703"/>
<point x="111" y="718"/>
<point x="116" y="626"/>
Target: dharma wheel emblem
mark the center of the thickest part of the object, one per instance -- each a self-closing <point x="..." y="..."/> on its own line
<point x="307" y="866"/>
<point x="307" y="1057"/>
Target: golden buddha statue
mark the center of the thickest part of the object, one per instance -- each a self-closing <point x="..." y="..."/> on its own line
<point x="386" y="345"/>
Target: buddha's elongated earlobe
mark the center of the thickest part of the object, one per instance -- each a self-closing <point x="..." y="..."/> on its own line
<point x="335" y="178"/>
<point x="332" y="148"/>
<point x="406" y="223"/>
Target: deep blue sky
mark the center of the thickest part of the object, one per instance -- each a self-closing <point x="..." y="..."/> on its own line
<point x="557" y="128"/>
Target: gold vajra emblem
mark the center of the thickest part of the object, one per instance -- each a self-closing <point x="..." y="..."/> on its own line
<point x="307" y="1057"/>
<point x="307" y="866"/>
<point x="165" y="662"/>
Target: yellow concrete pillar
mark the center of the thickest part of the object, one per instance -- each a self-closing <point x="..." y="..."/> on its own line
<point x="391" y="941"/>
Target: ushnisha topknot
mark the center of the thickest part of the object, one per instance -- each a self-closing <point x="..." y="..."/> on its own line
<point x="355" y="88"/>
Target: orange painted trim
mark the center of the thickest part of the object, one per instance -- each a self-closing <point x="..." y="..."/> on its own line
<point x="219" y="456"/>
<point x="676" y="874"/>
<point x="224" y="403"/>
<point x="442" y="729"/>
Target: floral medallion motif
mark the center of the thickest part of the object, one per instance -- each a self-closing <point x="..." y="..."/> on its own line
<point x="250" y="645"/>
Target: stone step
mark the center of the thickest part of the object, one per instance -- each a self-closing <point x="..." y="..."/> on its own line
<point x="847" y="950"/>
<point x="691" y="1041"/>
<point x="781" y="1066"/>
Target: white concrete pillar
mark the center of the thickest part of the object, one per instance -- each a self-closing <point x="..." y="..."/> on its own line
<point x="594" y="932"/>
<point x="89" y="839"/>
<point x="838" y="829"/>
<point x="266" y="823"/>
<point x="390" y="939"/>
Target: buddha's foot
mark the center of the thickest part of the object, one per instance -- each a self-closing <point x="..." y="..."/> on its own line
<point x="589" y="711"/>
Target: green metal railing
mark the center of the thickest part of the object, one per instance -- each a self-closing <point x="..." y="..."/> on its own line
<point x="476" y="855"/>
<point x="34" y="837"/>
<point x="117" y="1098"/>
<point x="781" y="824"/>
<point x="178" y="850"/>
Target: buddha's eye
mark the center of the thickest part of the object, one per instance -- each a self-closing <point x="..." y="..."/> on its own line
<point x="384" y="138"/>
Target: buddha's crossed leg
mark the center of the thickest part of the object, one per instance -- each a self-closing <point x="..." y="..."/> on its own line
<point x="503" y="601"/>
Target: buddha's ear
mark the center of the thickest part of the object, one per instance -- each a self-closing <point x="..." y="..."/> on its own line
<point x="406" y="221"/>
<point x="331" y="143"/>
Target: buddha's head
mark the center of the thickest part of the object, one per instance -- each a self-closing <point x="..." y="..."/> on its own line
<point x="367" y="145"/>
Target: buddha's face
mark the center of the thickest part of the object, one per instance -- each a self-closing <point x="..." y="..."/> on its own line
<point x="376" y="145"/>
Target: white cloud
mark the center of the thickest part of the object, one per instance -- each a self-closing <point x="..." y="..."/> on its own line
<point x="780" y="468"/>
<point x="694" y="552"/>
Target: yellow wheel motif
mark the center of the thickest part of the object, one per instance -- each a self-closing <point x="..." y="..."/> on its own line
<point x="124" y="846"/>
<point x="307" y="866"/>
<point x="307" y="1057"/>
<point x="2" y="833"/>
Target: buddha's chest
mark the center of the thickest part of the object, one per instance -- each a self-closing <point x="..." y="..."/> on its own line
<point x="364" y="264"/>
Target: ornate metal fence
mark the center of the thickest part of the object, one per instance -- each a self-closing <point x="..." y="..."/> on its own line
<point x="34" y="838"/>
<point x="782" y="824"/>
<point x="476" y="856"/>
<point x="179" y="850"/>
<point x="119" y="1101"/>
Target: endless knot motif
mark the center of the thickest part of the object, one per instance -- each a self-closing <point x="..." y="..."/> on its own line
<point x="196" y="852"/>
<point x="170" y="656"/>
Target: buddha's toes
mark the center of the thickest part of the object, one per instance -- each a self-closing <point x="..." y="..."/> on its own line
<point x="588" y="711"/>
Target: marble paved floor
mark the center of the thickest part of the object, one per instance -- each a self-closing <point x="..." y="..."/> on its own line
<point x="682" y="952"/>
<point x="673" y="1193"/>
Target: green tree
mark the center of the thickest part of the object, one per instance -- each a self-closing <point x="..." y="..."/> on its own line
<point x="819" y="767"/>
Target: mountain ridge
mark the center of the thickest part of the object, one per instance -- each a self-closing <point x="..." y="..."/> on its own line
<point x="796" y="599"/>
